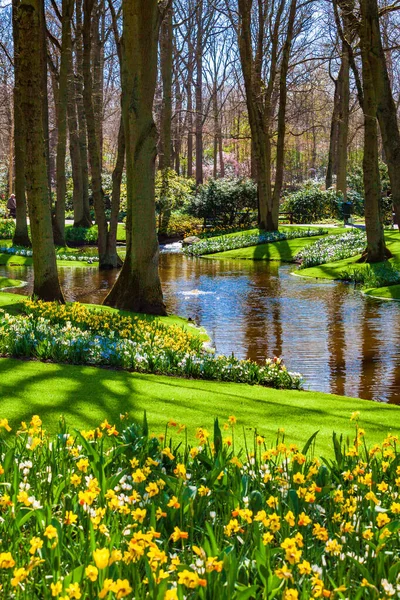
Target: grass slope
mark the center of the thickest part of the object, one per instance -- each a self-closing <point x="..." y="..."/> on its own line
<point x="284" y="251"/>
<point x="12" y="303"/>
<point x="8" y="283"/>
<point x="334" y="270"/>
<point x="85" y="396"/>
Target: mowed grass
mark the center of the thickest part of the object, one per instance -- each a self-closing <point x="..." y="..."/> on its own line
<point x="335" y="269"/>
<point x="5" y="282"/>
<point x="85" y="396"/>
<point x="284" y="251"/>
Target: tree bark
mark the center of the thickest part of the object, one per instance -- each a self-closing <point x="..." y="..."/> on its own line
<point x="75" y="153"/>
<point x="61" y="116"/>
<point x="376" y="249"/>
<point x="79" y="87"/>
<point x="138" y="287"/>
<point x="21" y="236"/>
<point x="386" y="108"/>
<point x="166" y="58"/>
<point x="280" y="148"/>
<point x="46" y="283"/>
<point x="106" y="261"/>
<point x="199" y="92"/>
<point x="343" y="121"/>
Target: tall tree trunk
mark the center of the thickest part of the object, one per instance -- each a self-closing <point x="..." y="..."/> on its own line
<point x="376" y="249"/>
<point x="61" y="113"/>
<point x="45" y="98"/>
<point x="79" y="87"/>
<point x="166" y="57"/>
<point x="333" y="138"/>
<point x="98" y="71"/>
<point x="386" y="108"/>
<point x="138" y="287"/>
<point x="75" y="153"/>
<point x="46" y="283"/>
<point x="105" y="260"/>
<point x="199" y="93"/>
<point x="178" y="126"/>
<point x="116" y="197"/>
<point x="343" y="121"/>
<point x="21" y="236"/>
<point x="280" y="148"/>
<point x="190" y="129"/>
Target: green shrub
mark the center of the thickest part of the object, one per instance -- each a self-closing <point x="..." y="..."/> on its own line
<point x="355" y="194"/>
<point x="173" y="192"/>
<point x="180" y="225"/>
<point x="80" y="236"/>
<point x="7" y="229"/>
<point x="312" y="204"/>
<point x="226" y="201"/>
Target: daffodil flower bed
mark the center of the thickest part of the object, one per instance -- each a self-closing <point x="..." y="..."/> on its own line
<point x="117" y="513"/>
<point x="333" y="247"/>
<point x="75" y="334"/>
<point x="233" y="242"/>
<point x="19" y="251"/>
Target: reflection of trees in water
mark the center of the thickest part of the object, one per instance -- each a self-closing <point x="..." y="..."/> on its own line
<point x="262" y="320"/>
<point x="336" y="341"/>
<point x="371" y="345"/>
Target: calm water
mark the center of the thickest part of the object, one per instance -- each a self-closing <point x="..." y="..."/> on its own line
<point x="339" y="340"/>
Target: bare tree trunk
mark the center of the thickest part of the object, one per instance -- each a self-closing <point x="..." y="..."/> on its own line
<point x="199" y="93"/>
<point x="166" y="58"/>
<point x="46" y="283"/>
<point x="386" y="108"/>
<point x="105" y="260"/>
<point x="376" y="249"/>
<point x="75" y="153"/>
<point x="98" y="71"/>
<point x="44" y="95"/>
<point x="61" y="112"/>
<point x="280" y="149"/>
<point x="21" y="236"/>
<point x="343" y="122"/>
<point x="190" y="129"/>
<point x="333" y="139"/>
<point x="138" y="287"/>
<point x="79" y="87"/>
<point x="116" y="196"/>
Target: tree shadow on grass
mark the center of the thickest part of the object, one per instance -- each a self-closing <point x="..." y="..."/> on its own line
<point x="88" y="395"/>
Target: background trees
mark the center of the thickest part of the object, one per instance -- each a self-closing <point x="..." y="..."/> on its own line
<point x="279" y="90"/>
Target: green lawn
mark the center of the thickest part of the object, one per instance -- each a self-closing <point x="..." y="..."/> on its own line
<point x="7" y="283"/>
<point x="335" y="269"/>
<point x="86" y="395"/>
<point x="12" y="303"/>
<point x="284" y="251"/>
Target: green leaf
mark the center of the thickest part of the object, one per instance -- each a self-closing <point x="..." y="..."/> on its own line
<point x="244" y="593"/>
<point x="309" y="442"/>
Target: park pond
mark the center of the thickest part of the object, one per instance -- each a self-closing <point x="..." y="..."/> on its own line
<point x="341" y="341"/>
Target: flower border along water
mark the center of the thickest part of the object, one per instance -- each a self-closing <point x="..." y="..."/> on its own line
<point x="76" y="335"/>
<point x="19" y="251"/>
<point x="332" y="248"/>
<point x="115" y="512"/>
<point x="234" y="242"/>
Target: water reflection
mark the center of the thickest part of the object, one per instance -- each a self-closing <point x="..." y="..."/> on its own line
<point x="341" y="341"/>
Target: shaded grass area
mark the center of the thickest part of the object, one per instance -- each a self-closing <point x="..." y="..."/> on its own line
<point x="389" y="292"/>
<point x="284" y="251"/>
<point x="336" y="270"/>
<point x="13" y="304"/>
<point x="5" y="282"/>
<point x="86" y="396"/>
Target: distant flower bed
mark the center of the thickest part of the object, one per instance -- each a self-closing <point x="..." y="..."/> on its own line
<point x="75" y="335"/>
<point x="114" y="512"/>
<point x="18" y="251"/>
<point x="333" y="247"/>
<point x="233" y="242"/>
<point x="7" y="229"/>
